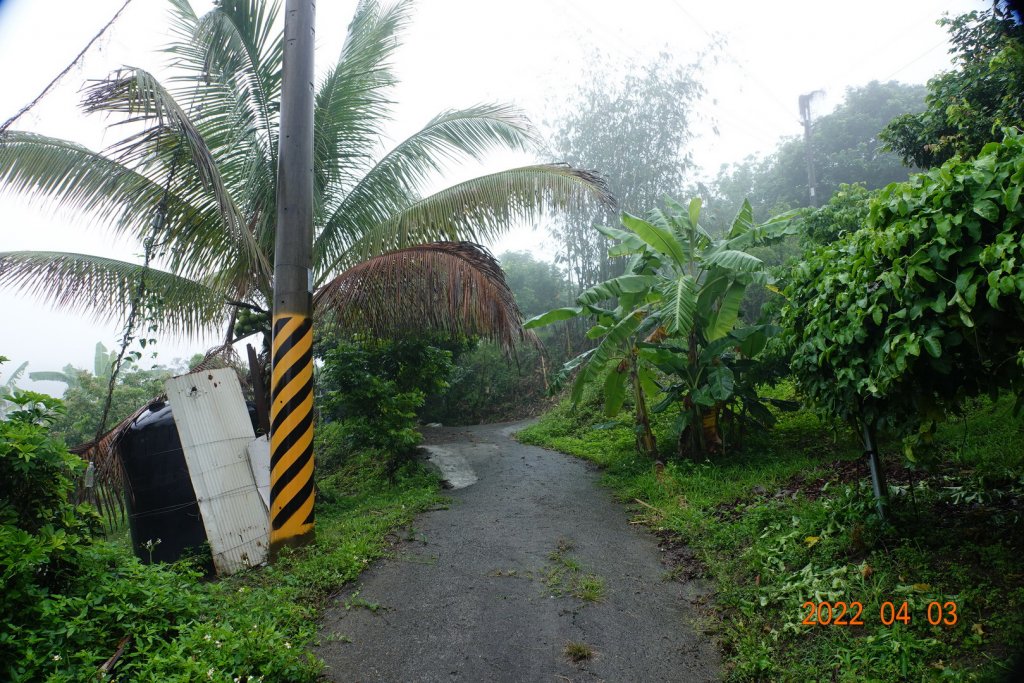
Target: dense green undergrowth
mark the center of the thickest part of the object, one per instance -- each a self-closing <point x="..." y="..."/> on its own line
<point x="788" y="518"/>
<point x="255" y="626"/>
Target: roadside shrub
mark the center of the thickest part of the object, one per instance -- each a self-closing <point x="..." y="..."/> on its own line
<point x="373" y="389"/>
<point x="42" y="533"/>
<point x="895" y="325"/>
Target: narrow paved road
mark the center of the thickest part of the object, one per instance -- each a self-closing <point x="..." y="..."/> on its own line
<point x="495" y="587"/>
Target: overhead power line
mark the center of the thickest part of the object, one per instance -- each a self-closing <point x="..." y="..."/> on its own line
<point x="40" y="96"/>
<point x="732" y="58"/>
<point x="916" y="59"/>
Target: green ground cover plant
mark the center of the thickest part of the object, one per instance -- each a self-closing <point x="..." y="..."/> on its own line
<point x="788" y="519"/>
<point x="72" y="598"/>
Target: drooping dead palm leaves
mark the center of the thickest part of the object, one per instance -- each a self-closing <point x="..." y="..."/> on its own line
<point x="453" y="287"/>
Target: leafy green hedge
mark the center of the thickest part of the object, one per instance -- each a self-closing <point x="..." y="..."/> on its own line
<point x="896" y="324"/>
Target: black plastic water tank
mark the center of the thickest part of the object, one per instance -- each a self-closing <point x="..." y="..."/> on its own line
<point x="161" y="501"/>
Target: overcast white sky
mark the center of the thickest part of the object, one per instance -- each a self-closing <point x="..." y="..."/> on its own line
<point x="457" y="53"/>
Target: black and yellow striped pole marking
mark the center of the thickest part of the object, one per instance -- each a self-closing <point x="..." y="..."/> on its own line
<point x="291" y="372"/>
<point x="291" y="430"/>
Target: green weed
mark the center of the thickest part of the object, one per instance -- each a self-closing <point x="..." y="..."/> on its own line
<point x="565" y="575"/>
<point x="577" y="652"/>
<point x="256" y="625"/>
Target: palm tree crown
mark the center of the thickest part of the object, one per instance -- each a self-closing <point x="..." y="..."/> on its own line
<point x="194" y="180"/>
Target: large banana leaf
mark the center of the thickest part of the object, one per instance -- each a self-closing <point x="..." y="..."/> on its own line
<point x="724" y="317"/>
<point x="613" y="341"/>
<point x="615" y="390"/>
<point x="615" y="288"/>
<point x="735" y="260"/>
<point x="678" y="304"/>
<point x="660" y="239"/>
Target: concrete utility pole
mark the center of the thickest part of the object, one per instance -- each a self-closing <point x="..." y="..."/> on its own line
<point x="291" y="382"/>
<point x="805" y="118"/>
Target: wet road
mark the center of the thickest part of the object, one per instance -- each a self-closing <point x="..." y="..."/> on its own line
<point x="496" y="586"/>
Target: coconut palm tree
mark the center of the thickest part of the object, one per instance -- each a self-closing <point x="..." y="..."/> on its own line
<point x="194" y="180"/>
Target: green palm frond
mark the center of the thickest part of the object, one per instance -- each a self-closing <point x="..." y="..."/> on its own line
<point x="352" y="103"/>
<point x="79" y="179"/>
<point x="106" y="288"/>
<point x="388" y="187"/>
<point x="481" y="208"/>
<point x="240" y="45"/>
<point x="452" y="287"/>
<point x="139" y="96"/>
<point x="228" y="74"/>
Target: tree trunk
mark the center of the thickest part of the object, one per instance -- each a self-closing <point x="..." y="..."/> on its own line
<point x="645" y="440"/>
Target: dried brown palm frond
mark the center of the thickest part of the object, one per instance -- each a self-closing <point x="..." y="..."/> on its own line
<point x="453" y="287"/>
<point x="110" y="481"/>
<point x="102" y="452"/>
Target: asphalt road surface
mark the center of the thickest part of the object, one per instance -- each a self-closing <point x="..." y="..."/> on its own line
<point x="532" y="555"/>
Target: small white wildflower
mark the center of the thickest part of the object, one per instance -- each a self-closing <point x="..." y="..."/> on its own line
<point x="254" y="627"/>
<point x="219" y="643"/>
<point x="287" y="646"/>
<point x="56" y="658"/>
<point x="207" y="637"/>
<point x="209" y="672"/>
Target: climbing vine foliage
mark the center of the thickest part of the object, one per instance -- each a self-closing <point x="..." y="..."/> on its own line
<point x="893" y="326"/>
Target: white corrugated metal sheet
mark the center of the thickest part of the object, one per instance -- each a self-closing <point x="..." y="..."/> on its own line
<point x="215" y="431"/>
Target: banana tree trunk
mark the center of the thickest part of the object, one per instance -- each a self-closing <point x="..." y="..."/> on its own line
<point x="710" y="424"/>
<point x="645" y="440"/>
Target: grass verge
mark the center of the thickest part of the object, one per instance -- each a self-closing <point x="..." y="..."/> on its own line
<point x="786" y="523"/>
<point x="255" y="626"/>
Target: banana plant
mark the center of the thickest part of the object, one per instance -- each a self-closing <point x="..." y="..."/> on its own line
<point x="672" y="329"/>
<point x="103" y="362"/>
<point x="9" y="386"/>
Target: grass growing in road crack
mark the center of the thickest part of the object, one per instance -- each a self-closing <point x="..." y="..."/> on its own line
<point x="788" y="520"/>
<point x="566" y="575"/>
<point x="356" y="602"/>
<point x="563" y="575"/>
<point x="577" y="652"/>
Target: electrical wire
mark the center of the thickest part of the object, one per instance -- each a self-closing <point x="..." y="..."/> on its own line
<point x="720" y="43"/>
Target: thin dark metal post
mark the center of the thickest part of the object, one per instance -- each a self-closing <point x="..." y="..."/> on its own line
<point x="878" y="485"/>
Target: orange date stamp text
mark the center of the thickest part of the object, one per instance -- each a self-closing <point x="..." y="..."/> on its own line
<point x="842" y="613"/>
